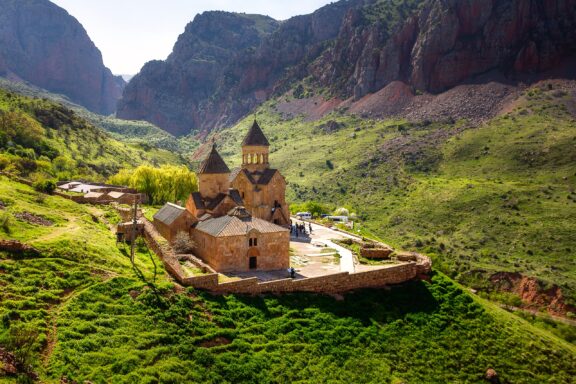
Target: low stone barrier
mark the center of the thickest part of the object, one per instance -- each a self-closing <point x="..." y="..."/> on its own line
<point x="376" y="253"/>
<point x="333" y="283"/>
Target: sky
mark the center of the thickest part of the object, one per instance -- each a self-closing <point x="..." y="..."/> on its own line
<point x="130" y="33"/>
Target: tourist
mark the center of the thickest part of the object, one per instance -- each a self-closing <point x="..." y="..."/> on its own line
<point x="292" y="272"/>
<point x="310" y="227"/>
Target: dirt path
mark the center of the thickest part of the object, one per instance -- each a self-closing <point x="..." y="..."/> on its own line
<point x="71" y="227"/>
<point x="539" y="314"/>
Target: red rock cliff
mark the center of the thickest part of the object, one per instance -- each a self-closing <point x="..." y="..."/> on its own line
<point x="45" y="46"/>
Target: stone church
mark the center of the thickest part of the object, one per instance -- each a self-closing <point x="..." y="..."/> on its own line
<point x="237" y="218"/>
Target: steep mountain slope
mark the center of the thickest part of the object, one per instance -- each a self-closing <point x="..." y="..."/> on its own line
<point x="448" y="42"/>
<point x="174" y="94"/>
<point x="498" y="197"/>
<point x="75" y="310"/>
<point x="42" y="44"/>
<point x="224" y="64"/>
<point x="352" y="49"/>
<point x="42" y="139"/>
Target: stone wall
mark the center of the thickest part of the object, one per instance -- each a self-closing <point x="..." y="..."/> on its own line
<point x="333" y="283"/>
<point x="376" y="253"/>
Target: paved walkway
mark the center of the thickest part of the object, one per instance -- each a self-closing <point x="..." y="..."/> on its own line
<point x="310" y="244"/>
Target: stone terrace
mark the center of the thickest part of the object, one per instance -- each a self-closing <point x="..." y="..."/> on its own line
<point x="317" y="271"/>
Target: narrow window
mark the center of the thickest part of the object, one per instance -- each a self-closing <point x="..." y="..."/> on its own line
<point x="255" y="242"/>
<point x="250" y="242"/>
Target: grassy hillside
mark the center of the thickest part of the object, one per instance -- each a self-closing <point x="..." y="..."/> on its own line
<point x="84" y="314"/>
<point x="42" y="139"/>
<point x="131" y="132"/>
<point x="499" y="197"/>
<point x="77" y="251"/>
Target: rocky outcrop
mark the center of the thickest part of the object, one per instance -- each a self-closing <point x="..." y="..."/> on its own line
<point x="14" y="246"/>
<point x="449" y="42"/>
<point x="42" y="44"/>
<point x="353" y="48"/>
<point x="225" y="64"/>
<point x="533" y="293"/>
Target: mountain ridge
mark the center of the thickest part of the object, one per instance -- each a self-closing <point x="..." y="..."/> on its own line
<point x="430" y="46"/>
<point x="42" y="44"/>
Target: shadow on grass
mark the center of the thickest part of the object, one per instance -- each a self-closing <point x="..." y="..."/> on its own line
<point x="368" y="305"/>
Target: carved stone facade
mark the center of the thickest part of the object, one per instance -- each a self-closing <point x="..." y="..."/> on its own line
<point x="262" y="188"/>
<point x="236" y="218"/>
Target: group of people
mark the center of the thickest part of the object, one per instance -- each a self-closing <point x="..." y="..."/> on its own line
<point x="299" y="229"/>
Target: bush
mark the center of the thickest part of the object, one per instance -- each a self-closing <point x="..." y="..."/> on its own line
<point x="182" y="243"/>
<point x="45" y="186"/>
<point x="5" y="221"/>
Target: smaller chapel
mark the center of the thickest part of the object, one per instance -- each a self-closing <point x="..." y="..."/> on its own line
<point x="238" y="219"/>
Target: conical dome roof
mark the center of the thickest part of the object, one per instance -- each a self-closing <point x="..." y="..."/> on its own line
<point x="213" y="163"/>
<point x="255" y="136"/>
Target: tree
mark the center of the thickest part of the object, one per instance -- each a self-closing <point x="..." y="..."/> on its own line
<point x="167" y="183"/>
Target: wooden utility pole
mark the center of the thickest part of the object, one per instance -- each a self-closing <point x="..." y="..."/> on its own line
<point x="134" y="224"/>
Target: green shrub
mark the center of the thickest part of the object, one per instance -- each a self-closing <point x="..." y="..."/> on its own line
<point x="5" y="221"/>
<point x="45" y="186"/>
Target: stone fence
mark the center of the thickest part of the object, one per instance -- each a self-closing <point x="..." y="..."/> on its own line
<point x="411" y="269"/>
<point x="333" y="283"/>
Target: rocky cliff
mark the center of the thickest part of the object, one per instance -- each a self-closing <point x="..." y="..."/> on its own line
<point x="352" y="48"/>
<point x="42" y="44"/>
<point x="448" y="42"/>
<point x="224" y="64"/>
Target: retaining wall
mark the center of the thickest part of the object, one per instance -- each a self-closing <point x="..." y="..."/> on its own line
<point x="333" y="283"/>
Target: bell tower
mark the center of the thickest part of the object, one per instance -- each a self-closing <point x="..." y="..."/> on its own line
<point x="255" y="150"/>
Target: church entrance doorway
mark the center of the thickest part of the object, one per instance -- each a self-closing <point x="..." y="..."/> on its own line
<point x="252" y="263"/>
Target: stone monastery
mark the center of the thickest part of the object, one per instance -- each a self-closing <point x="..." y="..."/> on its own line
<point x="237" y="219"/>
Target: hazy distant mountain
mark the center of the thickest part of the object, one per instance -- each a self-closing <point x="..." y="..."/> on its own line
<point x="45" y="46"/>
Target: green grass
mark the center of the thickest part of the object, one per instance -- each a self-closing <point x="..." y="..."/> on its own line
<point x="106" y="335"/>
<point x="42" y="139"/>
<point x="137" y="133"/>
<point x="77" y="252"/>
<point x="499" y="197"/>
<point x="94" y="319"/>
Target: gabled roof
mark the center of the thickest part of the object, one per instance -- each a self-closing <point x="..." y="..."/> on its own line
<point x="198" y="201"/>
<point x="255" y="136"/>
<point x="256" y="178"/>
<point x="212" y="204"/>
<point x="235" y="195"/>
<point x="116" y="195"/>
<point x="227" y="225"/>
<point x="213" y="163"/>
<point x="168" y="213"/>
<point x="267" y="175"/>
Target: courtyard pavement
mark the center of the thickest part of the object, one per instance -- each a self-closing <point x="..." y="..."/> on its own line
<point x="313" y="254"/>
